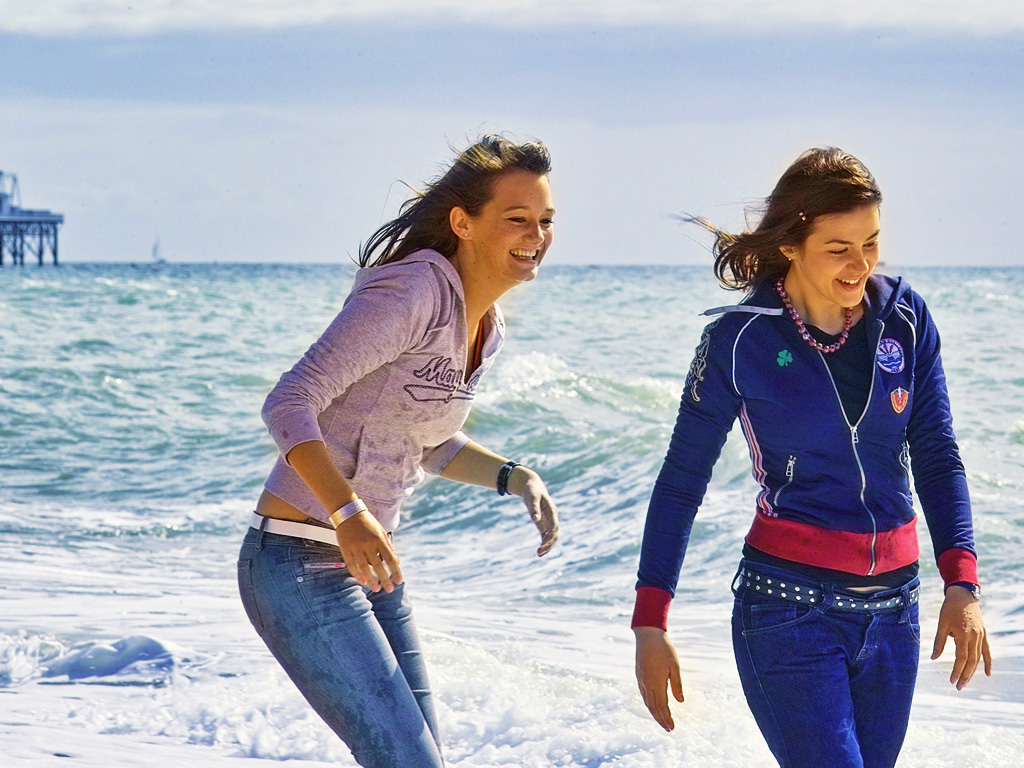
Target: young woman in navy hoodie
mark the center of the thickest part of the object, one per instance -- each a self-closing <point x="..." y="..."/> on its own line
<point x="835" y="376"/>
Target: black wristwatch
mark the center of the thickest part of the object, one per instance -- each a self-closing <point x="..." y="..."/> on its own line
<point x="974" y="589"/>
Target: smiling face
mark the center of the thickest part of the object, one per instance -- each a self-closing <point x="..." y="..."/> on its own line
<point x="506" y="242"/>
<point x="829" y="270"/>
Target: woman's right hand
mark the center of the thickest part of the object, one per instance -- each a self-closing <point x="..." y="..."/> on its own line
<point x="657" y="667"/>
<point x="367" y="552"/>
<point x="364" y="544"/>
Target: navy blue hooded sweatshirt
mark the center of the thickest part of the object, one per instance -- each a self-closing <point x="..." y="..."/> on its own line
<point x="835" y="493"/>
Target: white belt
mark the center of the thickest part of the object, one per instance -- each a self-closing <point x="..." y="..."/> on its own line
<point x="292" y="528"/>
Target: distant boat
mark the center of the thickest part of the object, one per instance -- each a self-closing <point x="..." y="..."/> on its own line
<point x="156" y="252"/>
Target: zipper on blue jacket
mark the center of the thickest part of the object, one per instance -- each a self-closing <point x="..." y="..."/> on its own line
<point x="790" y="468"/>
<point x="854" y="439"/>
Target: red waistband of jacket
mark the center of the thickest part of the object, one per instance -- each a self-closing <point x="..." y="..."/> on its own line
<point x="862" y="553"/>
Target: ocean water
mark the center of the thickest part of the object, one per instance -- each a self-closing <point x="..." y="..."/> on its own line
<point x="131" y="453"/>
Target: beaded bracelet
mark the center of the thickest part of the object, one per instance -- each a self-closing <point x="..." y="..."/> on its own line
<point x="503" y="475"/>
<point x="342" y="514"/>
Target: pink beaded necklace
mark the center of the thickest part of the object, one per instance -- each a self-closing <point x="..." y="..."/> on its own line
<point x="803" y="328"/>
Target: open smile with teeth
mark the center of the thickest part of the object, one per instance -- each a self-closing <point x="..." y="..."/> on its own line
<point x="524" y="255"/>
<point x="851" y="283"/>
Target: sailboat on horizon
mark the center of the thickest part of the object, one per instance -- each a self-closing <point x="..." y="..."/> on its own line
<point x="157" y="259"/>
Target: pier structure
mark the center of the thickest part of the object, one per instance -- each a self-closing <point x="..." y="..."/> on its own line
<point x="22" y="229"/>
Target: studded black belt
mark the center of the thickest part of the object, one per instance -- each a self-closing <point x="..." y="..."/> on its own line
<point x="833" y="598"/>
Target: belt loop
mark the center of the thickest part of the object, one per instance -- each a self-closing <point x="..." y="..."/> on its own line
<point x="261" y="533"/>
<point x="827" y="595"/>
<point x="905" y="591"/>
<point x="737" y="579"/>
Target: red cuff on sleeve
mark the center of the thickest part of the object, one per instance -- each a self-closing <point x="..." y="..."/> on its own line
<point x="958" y="565"/>
<point x="651" y="608"/>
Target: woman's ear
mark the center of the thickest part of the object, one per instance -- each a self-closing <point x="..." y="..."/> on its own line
<point x="459" y="221"/>
<point x="789" y="251"/>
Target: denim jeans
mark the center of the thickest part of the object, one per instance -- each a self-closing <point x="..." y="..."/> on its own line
<point x="827" y="688"/>
<point x="353" y="654"/>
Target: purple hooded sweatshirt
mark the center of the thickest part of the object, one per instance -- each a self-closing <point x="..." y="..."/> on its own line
<point x="384" y="387"/>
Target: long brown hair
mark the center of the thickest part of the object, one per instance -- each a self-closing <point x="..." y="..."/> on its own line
<point x="821" y="181"/>
<point x="468" y="184"/>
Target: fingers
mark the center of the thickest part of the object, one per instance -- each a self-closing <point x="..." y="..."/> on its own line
<point x="661" y="711"/>
<point x="676" y="681"/>
<point x="656" y="699"/>
<point x="368" y="553"/>
<point x="962" y="664"/>
<point x="657" y="668"/>
<point x="960" y="618"/>
<point x="542" y="510"/>
<point x="975" y="648"/>
<point x="384" y="567"/>
<point x="363" y="568"/>
<point x="940" y="640"/>
<point x="987" y="655"/>
<point x="535" y="511"/>
<point x="545" y="516"/>
<point x="548" y="524"/>
<point x="393" y="564"/>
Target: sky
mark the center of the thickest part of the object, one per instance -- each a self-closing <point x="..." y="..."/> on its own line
<point x="285" y="130"/>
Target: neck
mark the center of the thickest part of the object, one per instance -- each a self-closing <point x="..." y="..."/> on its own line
<point x="477" y="305"/>
<point x="479" y="289"/>
<point x="814" y="309"/>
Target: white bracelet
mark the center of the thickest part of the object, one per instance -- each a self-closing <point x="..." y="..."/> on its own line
<point x="342" y="514"/>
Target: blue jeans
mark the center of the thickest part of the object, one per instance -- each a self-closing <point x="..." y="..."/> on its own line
<point x="354" y="654"/>
<point x="826" y="687"/>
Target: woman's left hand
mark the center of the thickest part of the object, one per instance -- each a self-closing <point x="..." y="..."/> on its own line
<point x="960" y="618"/>
<point x="527" y="484"/>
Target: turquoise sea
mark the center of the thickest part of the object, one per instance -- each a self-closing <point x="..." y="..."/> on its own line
<point x="131" y="453"/>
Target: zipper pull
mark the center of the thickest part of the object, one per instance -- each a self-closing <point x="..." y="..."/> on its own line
<point x="856" y="437"/>
<point x="789" y="467"/>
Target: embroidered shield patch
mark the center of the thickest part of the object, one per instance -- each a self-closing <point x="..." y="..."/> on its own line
<point x="890" y="356"/>
<point x="899" y="398"/>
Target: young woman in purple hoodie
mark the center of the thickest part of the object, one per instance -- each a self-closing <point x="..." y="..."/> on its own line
<point x="377" y="401"/>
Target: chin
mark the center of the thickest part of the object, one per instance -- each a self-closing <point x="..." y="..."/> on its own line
<point x="528" y="276"/>
<point x="849" y="302"/>
<point x="524" y="275"/>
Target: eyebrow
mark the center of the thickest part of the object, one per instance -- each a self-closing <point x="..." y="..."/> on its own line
<point x="518" y="207"/>
<point x="849" y="242"/>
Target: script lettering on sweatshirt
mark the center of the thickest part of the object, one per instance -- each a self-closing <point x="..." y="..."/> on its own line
<point x="442" y="382"/>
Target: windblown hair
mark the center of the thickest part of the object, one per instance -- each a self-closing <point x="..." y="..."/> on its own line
<point x="820" y="182"/>
<point x="468" y="184"/>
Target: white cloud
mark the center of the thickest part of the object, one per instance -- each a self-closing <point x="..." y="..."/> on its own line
<point x="85" y="17"/>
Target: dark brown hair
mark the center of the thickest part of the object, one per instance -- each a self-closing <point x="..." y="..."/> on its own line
<point x="821" y="181"/>
<point x="468" y="184"/>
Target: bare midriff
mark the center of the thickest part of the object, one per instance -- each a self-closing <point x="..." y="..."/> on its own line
<point x="270" y="505"/>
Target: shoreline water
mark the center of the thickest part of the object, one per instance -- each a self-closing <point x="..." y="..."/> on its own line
<point x="131" y="452"/>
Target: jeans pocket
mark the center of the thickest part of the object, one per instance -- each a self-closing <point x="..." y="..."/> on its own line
<point x="248" y="595"/>
<point x="776" y="614"/>
<point x="913" y="625"/>
<point x="915" y="631"/>
<point x="318" y="563"/>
